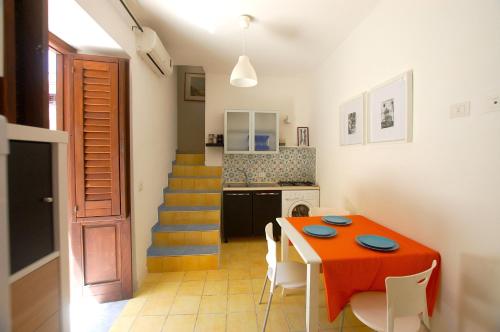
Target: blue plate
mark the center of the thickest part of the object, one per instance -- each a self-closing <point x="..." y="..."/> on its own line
<point x="337" y="220"/>
<point x="396" y="247"/>
<point x="376" y="242"/>
<point x="319" y="231"/>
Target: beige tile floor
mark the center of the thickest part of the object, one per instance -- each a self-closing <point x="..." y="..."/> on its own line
<point x="221" y="300"/>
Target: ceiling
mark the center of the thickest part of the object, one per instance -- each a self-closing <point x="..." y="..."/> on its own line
<point x="74" y="25"/>
<point x="286" y="37"/>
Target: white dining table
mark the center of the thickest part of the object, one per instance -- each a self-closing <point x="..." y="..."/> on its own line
<point x="313" y="261"/>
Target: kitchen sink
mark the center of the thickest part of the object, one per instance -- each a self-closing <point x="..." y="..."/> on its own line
<point x="235" y="184"/>
<point x="263" y="184"/>
<point x="250" y="185"/>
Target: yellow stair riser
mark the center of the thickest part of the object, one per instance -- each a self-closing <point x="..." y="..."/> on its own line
<point x="184" y="170"/>
<point x="192" y="199"/>
<point x="196" y="238"/>
<point x="189" y="217"/>
<point x="190" y="159"/>
<point x="182" y="263"/>
<point x="195" y="184"/>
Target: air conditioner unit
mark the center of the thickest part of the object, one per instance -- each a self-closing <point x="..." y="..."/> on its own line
<point x="151" y="49"/>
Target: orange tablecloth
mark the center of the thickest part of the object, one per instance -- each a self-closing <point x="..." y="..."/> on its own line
<point x="349" y="268"/>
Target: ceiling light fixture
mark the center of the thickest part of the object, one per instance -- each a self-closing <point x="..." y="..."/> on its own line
<point x="243" y="74"/>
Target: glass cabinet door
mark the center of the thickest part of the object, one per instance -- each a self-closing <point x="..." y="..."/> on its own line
<point x="237" y="137"/>
<point x="266" y="136"/>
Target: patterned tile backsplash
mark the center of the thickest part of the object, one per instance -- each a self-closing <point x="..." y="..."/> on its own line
<point x="290" y="164"/>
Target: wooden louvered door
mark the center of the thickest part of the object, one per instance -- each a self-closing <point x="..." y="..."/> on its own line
<point x="96" y="127"/>
<point x="100" y="223"/>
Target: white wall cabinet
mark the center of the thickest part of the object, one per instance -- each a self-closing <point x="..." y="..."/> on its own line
<point x="251" y="132"/>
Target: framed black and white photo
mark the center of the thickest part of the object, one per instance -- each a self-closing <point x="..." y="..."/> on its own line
<point x="194" y="89"/>
<point x="390" y="108"/>
<point x="352" y="121"/>
<point x="302" y="136"/>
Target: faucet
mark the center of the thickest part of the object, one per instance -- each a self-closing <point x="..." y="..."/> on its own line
<point x="245" y="174"/>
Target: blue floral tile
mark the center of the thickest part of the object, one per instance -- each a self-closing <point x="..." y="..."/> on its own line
<point x="290" y="164"/>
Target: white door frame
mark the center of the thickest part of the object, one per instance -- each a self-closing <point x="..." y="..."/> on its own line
<point x="4" y="232"/>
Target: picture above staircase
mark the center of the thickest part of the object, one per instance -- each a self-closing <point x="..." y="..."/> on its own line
<point x="187" y="235"/>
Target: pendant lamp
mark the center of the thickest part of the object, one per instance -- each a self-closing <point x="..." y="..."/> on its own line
<point x="243" y="74"/>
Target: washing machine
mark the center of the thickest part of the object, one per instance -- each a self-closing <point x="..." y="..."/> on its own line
<point x="298" y="203"/>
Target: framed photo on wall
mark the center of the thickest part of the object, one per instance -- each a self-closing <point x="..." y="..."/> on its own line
<point x="194" y="87"/>
<point x="390" y="110"/>
<point x="302" y="136"/>
<point x="352" y="121"/>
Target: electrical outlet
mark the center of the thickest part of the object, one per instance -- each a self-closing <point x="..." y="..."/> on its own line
<point x="460" y="110"/>
<point x="262" y="175"/>
<point x="494" y="104"/>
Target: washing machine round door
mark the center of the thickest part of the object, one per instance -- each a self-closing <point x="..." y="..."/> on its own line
<point x="299" y="209"/>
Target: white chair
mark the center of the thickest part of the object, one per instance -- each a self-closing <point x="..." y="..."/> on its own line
<point x="325" y="211"/>
<point x="288" y="275"/>
<point x="403" y="307"/>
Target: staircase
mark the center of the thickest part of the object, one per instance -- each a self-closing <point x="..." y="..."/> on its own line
<point x="187" y="235"/>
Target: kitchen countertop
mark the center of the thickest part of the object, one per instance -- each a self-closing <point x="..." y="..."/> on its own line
<point x="272" y="186"/>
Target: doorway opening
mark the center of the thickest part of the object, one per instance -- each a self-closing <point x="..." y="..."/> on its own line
<point x="88" y="98"/>
<point x="191" y="109"/>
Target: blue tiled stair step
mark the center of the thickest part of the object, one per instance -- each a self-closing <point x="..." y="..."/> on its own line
<point x="175" y="163"/>
<point x="184" y="228"/>
<point x="182" y="250"/>
<point x="187" y="208"/>
<point x="193" y="176"/>
<point x="189" y="191"/>
<point x="202" y="165"/>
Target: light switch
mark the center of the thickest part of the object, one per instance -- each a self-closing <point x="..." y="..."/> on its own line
<point x="494" y="104"/>
<point x="460" y="110"/>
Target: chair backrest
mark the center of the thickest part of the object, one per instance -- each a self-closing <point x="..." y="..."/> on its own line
<point x="271" y="257"/>
<point x="326" y="211"/>
<point x="406" y="296"/>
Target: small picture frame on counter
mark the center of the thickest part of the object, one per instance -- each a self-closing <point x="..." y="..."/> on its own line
<point x="302" y="136"/>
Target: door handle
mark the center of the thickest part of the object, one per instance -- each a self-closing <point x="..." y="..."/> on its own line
<point x="47" y="199"/>
<point x="267" y="194"/>
<point x="239" y="194"/>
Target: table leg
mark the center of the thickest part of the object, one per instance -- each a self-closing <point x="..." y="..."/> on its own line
<point x="312" y="302"/>
<point x="284" y="246"/>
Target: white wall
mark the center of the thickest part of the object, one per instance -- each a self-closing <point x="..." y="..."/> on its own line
<point x="288" y="95"/>
<point x="443" y="189"/>
<point x="153" y="108"/>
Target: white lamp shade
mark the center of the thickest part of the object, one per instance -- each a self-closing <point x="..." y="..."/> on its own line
<point x="243" y="74"/>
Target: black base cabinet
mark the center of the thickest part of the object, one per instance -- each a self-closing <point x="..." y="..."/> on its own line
<point x="266" y="208"/>
<point x="237" y="214"/>
<point x="246" y="213"/>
